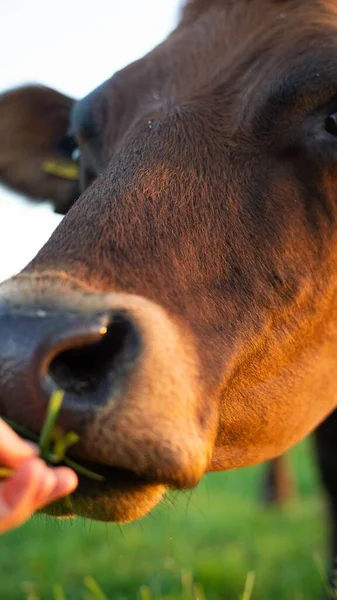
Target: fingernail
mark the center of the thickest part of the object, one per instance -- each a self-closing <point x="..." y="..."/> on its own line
<point x="33" y="446"/>
<point x="67" y="481"/>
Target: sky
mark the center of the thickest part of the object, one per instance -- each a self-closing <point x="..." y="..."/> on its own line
<point x="73" y="46"/>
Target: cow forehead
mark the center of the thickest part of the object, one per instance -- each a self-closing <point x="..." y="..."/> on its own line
<point x="232" y="30"/>
<point x="193" y="8"/>
<point x="233" y="50"/>
<point x="256" y="13"/>
<point x="228" y="37"/>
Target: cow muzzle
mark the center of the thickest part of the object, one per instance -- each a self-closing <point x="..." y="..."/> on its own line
<point x="131" y="387"/>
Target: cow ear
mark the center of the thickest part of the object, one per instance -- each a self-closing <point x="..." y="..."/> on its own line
<point x="36" y="152"/>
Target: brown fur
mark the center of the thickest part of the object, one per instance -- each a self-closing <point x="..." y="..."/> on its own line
<point x="212" y="215"/>
<point x="32" y="121"/>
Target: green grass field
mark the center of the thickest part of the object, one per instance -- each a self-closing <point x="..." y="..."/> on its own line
<point x="201" y="545"/>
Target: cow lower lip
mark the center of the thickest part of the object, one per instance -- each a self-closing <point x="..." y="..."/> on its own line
<point x="119" y="497"/>
<point x="111" y="476"/>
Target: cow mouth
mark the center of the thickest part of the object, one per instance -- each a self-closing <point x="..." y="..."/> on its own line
<point x="121" y="496"/>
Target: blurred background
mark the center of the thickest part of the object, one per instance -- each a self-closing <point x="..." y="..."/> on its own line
<point x="73" y="46"/>
<point x="219" y="542"/>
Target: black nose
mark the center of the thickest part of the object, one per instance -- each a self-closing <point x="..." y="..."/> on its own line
<point x="88" y="356"/>
<point x="84" y="365"/>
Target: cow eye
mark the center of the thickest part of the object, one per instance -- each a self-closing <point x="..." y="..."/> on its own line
<point x="76" y="154"/>
<point x="331" y="124"/>
<point x="66" y="146"/>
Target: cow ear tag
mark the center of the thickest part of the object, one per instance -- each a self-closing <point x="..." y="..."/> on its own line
<point x="62" y="168"/>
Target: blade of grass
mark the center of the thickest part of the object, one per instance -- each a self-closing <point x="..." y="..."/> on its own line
<point x="53" y="454"/>
<point x="62" y="445"/>
<point x="58" y="592"/>
<point x="249" y="586"/>
<point x="198" y="593"/>
<point x="145" y="593"/>
<point x="4" y="472"/>
<point x="186" y="581"/>
<point x="94" y="588"/>
<point x="21" y="430"/>
<point x="29" y="588"/>
<point x="83" y="470"/>
<point x="54" y="407"/>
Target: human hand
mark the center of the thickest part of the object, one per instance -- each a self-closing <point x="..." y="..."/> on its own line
<point x="32" y="485"/>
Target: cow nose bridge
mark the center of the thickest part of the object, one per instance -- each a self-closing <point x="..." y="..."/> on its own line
<point x="88" y="356"/>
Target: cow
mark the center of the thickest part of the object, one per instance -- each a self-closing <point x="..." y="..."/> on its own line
<point x="186" y="303"/>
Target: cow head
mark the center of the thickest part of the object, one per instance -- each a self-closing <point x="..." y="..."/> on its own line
<point x="186" y="304"/>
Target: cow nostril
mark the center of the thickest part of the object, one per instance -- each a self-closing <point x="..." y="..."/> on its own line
<point x="84" y="368"/>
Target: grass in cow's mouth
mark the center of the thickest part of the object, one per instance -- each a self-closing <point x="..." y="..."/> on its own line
<point x="53" y="442"/>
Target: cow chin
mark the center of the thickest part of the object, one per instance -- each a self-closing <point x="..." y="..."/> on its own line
<point x="123" y="498"/>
